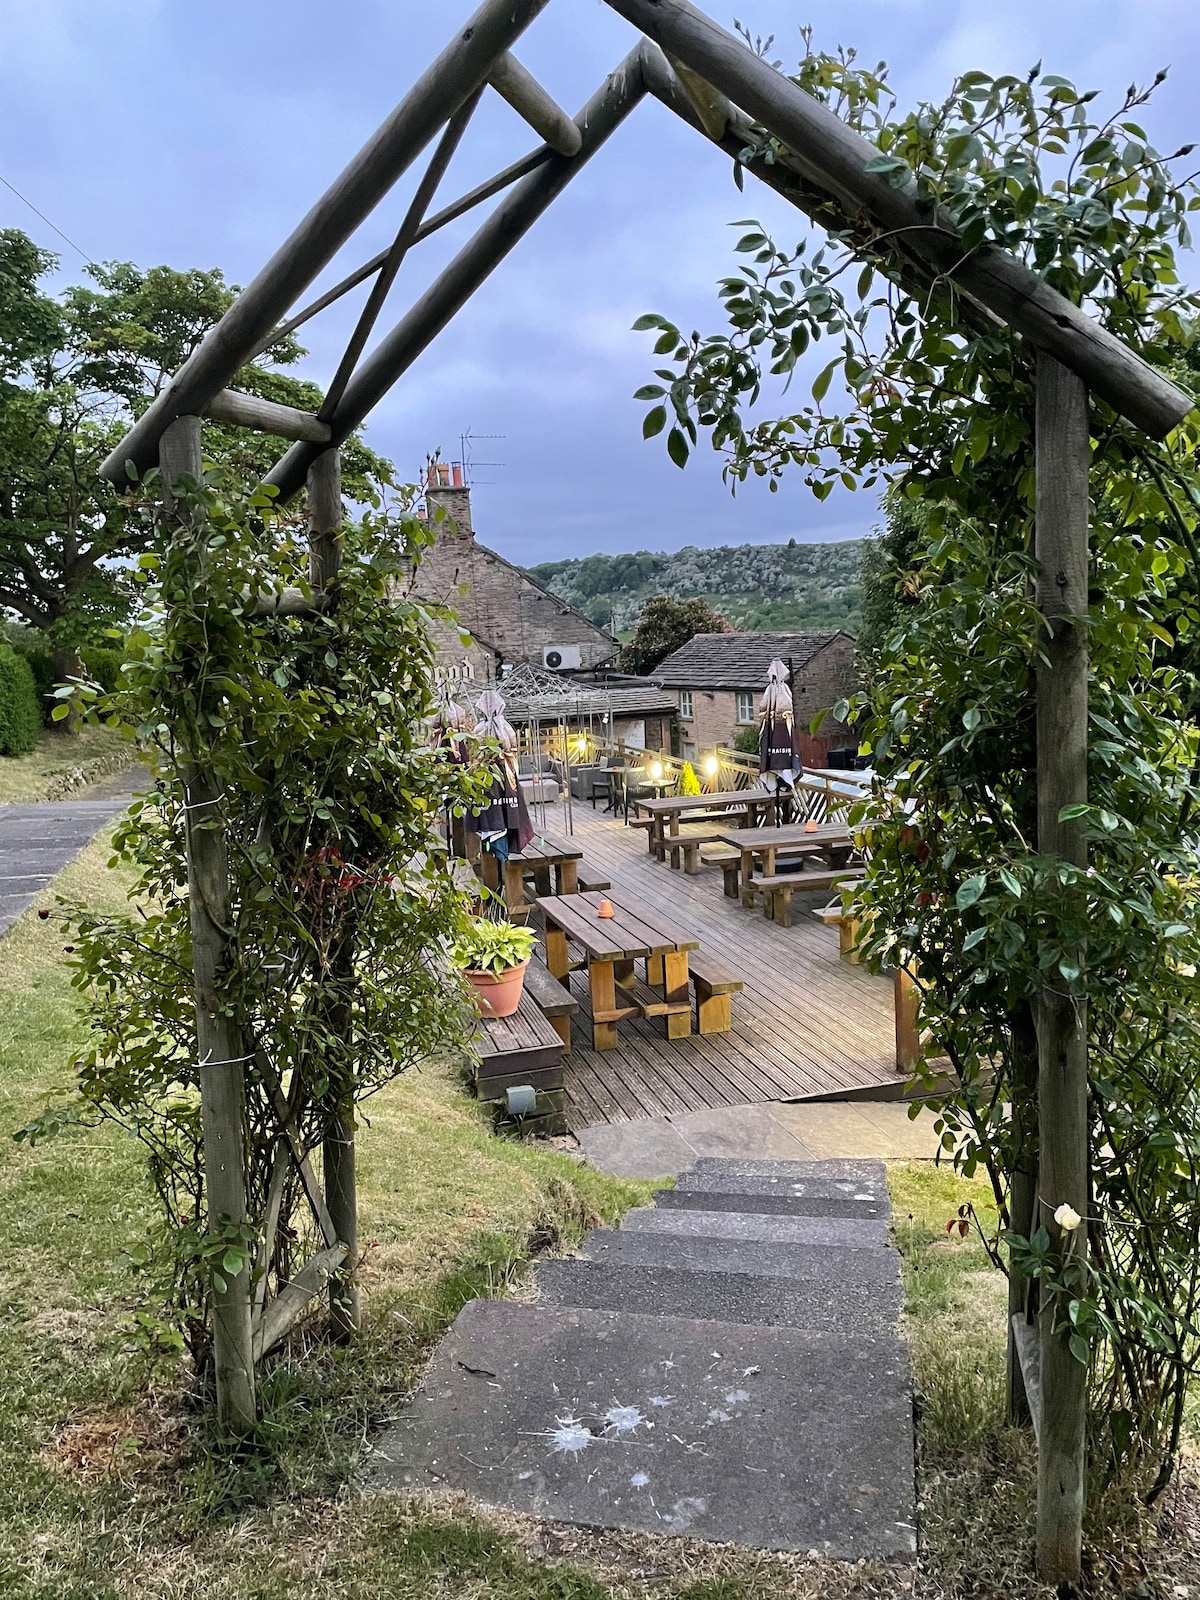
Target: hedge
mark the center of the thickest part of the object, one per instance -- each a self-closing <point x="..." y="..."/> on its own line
<point x="20" y="706"/>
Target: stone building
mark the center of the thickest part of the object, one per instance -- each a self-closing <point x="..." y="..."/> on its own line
<point x="718" y="680"/>
<point x="510" y="618"/>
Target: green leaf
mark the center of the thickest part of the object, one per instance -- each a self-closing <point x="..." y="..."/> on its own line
<point x="1079" y="1348"/>
<point x="677" y="447"/>
<point x="650" y="391"/>
<point x="972" y="717"/>
<point x="654" y="422"/>
<point x="1072" y="812"/>
<point x="976" y="936"/>
<point x="648" y="321"/>
<point x="822" y="380"/>
<point x="969" y="892"/>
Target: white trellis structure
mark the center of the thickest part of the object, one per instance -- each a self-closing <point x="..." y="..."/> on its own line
<point x="800" y="148"/>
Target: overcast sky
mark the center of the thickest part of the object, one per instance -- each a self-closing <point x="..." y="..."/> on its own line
<point x="198" y="135"/>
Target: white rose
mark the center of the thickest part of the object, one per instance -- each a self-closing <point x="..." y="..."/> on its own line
<point x="1067" y="1218"/>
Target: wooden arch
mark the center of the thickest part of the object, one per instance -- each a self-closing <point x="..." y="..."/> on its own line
<point x="743" y="105"/>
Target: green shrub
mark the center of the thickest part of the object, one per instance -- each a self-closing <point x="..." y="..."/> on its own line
<point x="20" y="708"/>
<point x="103" y="666"/>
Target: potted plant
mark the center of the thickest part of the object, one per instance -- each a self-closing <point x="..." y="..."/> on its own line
<point x="492" y="957"/>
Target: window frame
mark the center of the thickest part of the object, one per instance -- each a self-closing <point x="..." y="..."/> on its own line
<point x="743" y="697"/>
<point x="687" y="708"/>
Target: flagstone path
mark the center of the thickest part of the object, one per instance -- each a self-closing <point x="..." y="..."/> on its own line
<point x="725" y="1364"/>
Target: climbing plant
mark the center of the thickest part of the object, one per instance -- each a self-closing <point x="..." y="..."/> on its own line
<point x="927" y="394"/>
<point x="333" y="804"/>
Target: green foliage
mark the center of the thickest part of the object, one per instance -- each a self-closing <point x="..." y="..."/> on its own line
<point x="957" y="887"/>
<point x="748" y="740"/>
<point x="889" y="582"/>
<point x="765" y="587"/>
<point x="103" y="666"/>
<point x="74" y="373"/>
<point x="663" y="626"/>
<point x="489" y="946"/>
<point x="331" y="807"/>
<point x="20" y="708"/>
<point x="689" y="783"/>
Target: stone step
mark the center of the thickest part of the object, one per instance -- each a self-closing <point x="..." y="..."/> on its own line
<point x="811" y="1188"/>
<point x="856" y="1233"/>
<point x="777" y="1203"/>
<point x="870" y="1174"/>
<point x="821" y="1265"/>
<point x="839" y="1307"/>
<point x="770" y="1437"/>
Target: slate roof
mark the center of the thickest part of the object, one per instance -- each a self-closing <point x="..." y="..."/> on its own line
<point x="624" y="702"/>
<point x="737" y="660"/>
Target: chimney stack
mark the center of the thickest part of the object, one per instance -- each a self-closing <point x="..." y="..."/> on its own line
<point x="446" y="487"/>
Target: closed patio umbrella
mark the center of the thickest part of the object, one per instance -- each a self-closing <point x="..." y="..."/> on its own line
<point x="503" y="823"/>
<point x="450" y="725"/>
<point x="777" y="748"/>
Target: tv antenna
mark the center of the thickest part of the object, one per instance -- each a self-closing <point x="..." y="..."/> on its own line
<point x="466" y="443"/>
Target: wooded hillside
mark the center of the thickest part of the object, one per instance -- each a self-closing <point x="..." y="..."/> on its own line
<point x="754" y="586"/>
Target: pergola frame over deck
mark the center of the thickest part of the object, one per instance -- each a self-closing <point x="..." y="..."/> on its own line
<point x="743" y="105"/>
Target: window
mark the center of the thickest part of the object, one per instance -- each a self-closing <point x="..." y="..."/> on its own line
<point x="685" y="704"/>
<point x="745" y="705"/>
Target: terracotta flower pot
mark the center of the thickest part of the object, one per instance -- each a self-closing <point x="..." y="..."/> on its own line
<point x="499" y="994"/>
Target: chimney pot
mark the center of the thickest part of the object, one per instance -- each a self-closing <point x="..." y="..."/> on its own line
<point x="457" y="475"/>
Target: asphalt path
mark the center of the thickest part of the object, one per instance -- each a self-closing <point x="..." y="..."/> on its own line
<point x="37" y="841"/>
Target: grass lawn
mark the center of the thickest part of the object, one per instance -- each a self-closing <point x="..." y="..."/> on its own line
<point x="110" y="1487"/>
<point x="94" y="751"/>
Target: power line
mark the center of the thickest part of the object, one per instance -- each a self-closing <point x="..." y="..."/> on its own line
<point x="87" y="259"/>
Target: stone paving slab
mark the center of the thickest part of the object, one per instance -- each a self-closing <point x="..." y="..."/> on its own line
<point x="862" y="1233"/>
<point x="768" y="1436"/>
<point x="818" y="1187"/>
<point x="723" y="1296"/>
<point x="870" y="1174"/>
<point x="820" y="1265"/>
<point x="766" y="1205"/>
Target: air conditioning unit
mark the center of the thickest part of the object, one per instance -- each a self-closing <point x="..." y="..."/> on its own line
<point x="559" y="657"/>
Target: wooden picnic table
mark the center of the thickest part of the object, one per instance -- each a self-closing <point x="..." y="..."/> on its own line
<point x="543" y="856"/>
<point x="795" y="837"/>
<point x="610" y="946"/>
<point x="665" y="813"/>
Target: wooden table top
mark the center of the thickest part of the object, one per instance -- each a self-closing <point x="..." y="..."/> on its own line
<point x="724" y="800"/>
<point x="633" y="929"/>
<point x="788" y="836"/>
<point x="544" y="847"/>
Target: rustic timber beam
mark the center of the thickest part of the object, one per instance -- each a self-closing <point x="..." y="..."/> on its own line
<point x="451" y="213"/>
<point x="1063" y="456"/>
<point x="510" y="221"/>
<point x="266" y="416"/>
<point x="403" y="242"/>
<point x="529" y="100"/>
<point x="219" y="1049"/>
<point x="836" y="159"/>
<point x="456" y="74"/>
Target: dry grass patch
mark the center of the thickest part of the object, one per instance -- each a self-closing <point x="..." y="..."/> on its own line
<point x="63" y="764"/>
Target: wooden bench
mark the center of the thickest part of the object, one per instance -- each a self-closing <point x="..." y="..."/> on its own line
<point x="644" y="1001"/>
<point x="713" y="986"/>
<point x="554" y="1000"/>
<point x="590" y="880"/>
<point x="730" y="862"/>
<point x="524" y="1049"/>
<point x="834" y="915"/>
<point x="688" y="845"/>
<point x="776" y="892"/>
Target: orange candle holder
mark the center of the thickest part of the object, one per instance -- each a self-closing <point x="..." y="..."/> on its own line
<point x="605" y="909"/>
<point x="810" y="826"/>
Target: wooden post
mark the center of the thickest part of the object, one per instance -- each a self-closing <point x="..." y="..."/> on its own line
<point x="219" y="1046"/>
<point x="325" y="517"/>
<point x="1062" y="747"/>
<point x="908" y="1035"/>
<point x="1022" y="1199"/>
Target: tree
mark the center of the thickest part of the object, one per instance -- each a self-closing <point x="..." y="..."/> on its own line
<point x="664" y="625"/>
<point x="74" y="373"/>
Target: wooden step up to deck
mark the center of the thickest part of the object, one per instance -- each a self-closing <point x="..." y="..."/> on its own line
<point x="523" y="1049"/>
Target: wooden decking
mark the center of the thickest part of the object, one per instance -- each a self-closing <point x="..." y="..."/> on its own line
<point x="807" y="1026"/>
